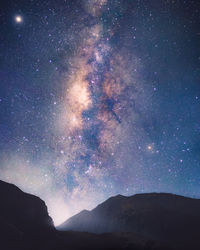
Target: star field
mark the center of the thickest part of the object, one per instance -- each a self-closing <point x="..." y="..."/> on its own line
<point x="99" y="97"/>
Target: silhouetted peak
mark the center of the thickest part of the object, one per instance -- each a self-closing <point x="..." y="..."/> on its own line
<point x="25" y="212"/>
<point x="158" y="216"/>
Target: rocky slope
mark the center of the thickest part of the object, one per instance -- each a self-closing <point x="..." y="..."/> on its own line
<point x="24" y="219"/>
<point x="24" y="212"/>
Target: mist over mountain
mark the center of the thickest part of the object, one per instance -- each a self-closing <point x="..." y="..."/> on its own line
<point x="26" y="225"/>
<point x="140" y="222"/>
<point x="158" y="216"/>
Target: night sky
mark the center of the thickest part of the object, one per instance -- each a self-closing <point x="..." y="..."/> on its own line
<point x="99" y="97"/>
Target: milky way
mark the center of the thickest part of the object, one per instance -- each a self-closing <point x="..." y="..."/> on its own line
<point x="99" y="97"/>
<point x="99" y="119"/>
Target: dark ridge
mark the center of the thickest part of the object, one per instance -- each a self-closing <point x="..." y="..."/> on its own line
<point x="162" y="217"/>
<point x="139" y="222"/>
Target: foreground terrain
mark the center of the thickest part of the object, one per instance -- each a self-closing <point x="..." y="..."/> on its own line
<point x="167" y="218"/>
<point x="146" y="221"/>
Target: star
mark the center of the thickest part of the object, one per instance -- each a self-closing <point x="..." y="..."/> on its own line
<point x="18" y="19"/>
<point x="87" y="101"/>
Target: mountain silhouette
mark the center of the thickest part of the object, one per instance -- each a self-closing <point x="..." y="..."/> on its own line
<point x="26" y="225"/>
<point x="24" y="219"/>
<point x="162" y="217"/>
<point x="140" y="222"/>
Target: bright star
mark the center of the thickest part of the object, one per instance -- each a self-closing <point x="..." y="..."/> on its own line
<point x="18" y="19"/>
<point x="149" y="147"/>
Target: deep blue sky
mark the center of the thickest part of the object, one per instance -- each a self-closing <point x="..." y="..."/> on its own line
<point x="141" y="135"/>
